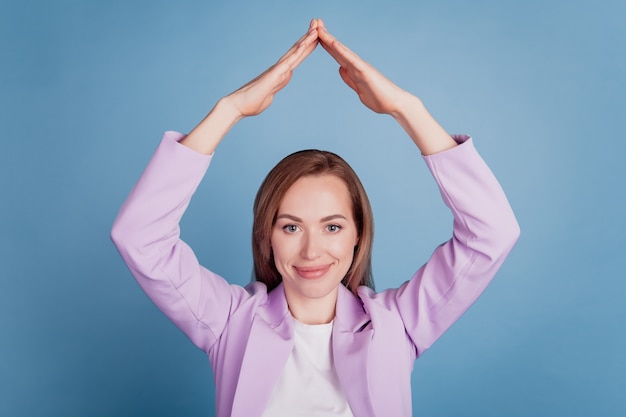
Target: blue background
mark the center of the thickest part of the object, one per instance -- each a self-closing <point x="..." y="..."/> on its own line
<point x="87" y="88"/>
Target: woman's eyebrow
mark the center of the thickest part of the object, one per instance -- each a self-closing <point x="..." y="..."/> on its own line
<point x="333" y="217"/>
<point x="298" y="219"/>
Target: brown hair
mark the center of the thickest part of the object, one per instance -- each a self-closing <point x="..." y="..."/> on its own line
<point x="300" y="164"/>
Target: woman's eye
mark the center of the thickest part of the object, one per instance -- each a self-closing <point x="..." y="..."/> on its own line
<point x="290" y="228"/>
<point x="333" y="228"/>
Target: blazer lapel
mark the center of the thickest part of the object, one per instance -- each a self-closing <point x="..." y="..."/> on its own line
<point x="352" y="334"/>
<point x="267" y="351"/>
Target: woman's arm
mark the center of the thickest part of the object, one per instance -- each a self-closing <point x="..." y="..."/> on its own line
<point x="146" y="231"/>
<point x="382" y="96"/>
<point x="484" y="232"/>
<point x="485" y="228"/>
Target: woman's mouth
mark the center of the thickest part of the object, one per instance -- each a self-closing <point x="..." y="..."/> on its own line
<point x="312" y="272"/>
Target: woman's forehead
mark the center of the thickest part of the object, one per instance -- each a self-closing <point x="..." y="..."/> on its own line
<point x="316" y="197"/>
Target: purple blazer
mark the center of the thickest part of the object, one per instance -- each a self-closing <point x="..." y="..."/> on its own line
<point x="248" y="333"/>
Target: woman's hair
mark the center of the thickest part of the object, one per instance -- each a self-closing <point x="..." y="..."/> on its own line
<point x="266" y="204"/>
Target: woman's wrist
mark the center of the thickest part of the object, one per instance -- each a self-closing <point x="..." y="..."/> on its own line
<point x="423" y="129"/>
<point x="211" y="130"/>
<point x="406" y="106"/>
<point x="226" y="109"/>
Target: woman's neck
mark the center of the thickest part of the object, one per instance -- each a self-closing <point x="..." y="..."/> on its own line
<point x="312" y="310"/>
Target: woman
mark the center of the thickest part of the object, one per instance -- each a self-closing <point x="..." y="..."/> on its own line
<point x="309" y="336"/>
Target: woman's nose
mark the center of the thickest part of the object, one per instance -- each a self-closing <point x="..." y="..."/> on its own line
<point x="310" y="248"/>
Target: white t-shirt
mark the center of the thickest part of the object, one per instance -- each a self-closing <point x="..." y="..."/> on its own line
<point x="309" y="385"/>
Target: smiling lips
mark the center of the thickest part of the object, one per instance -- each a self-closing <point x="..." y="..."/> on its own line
<point x="312" y="272"/>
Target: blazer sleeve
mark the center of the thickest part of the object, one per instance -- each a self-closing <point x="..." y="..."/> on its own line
<point x="147" y="235"/>
<point x="485" y="231"/>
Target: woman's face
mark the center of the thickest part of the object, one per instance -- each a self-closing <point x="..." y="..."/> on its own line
<point x="313" y="238"/>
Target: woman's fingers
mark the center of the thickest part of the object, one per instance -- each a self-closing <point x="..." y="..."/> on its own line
<point x="293" y="57"/>
<point x="331" y="45"/>
<point x="284" y="68"/>
<point x="279" y="75"/>
<point x="303" y="50"/>
<point x="350" y="64"/>
<point x="306" y="39"/>
<point x="341" y="53"/>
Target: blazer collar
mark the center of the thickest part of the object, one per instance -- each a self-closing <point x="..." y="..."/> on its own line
<point x="349" y="314"/>
<point x="275" y="312"/>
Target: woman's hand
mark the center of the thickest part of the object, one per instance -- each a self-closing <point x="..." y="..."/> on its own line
<point x="256" y="96"/>
<point x="252" y="98"/>
<point x="376" y="91"/>
<point x="379" y="94"/>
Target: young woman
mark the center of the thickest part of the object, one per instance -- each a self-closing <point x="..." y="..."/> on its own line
<point x="310" y="337"/>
